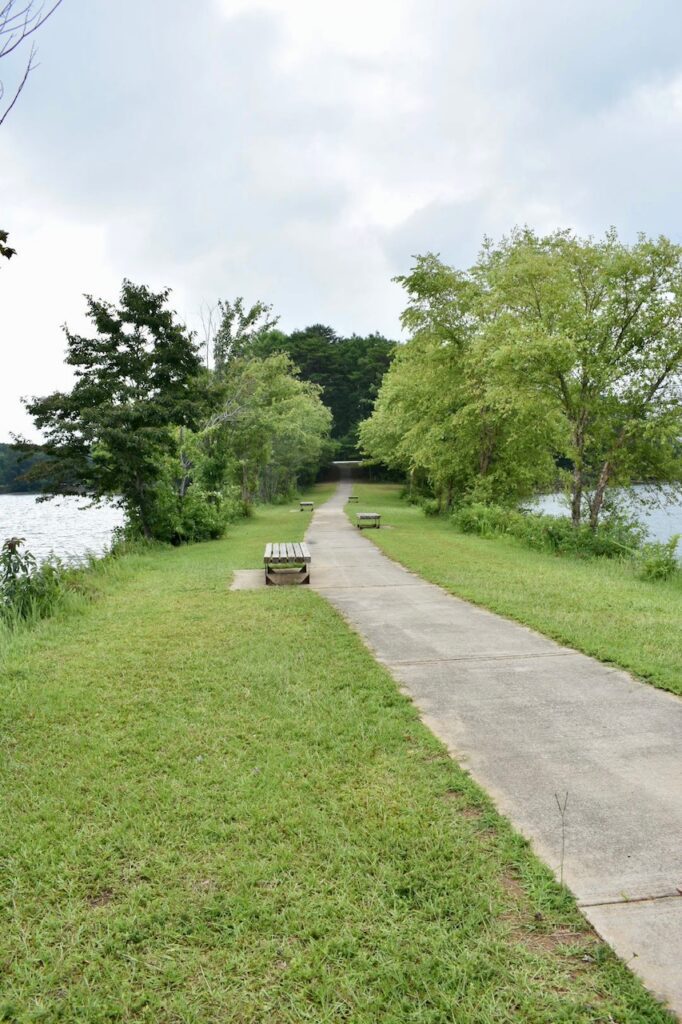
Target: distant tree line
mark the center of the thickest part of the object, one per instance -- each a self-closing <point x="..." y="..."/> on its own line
<point x="20" y="471"/>
<point x="348" y="370"/>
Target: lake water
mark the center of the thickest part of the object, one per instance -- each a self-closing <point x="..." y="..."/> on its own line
<point x="63" y="526"/>
<point x="661" y="523"/>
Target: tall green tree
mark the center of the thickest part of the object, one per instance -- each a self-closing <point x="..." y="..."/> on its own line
<point x="137" y="379"/>
<point x="595" y="327"/>
<point x="270" y="427"/>
<point x="444" y="413"/>
<point x="549" y="351"/>
<point x="348" y="370"/>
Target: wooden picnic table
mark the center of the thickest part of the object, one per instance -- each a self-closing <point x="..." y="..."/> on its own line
<point x="287" y="563"/>
<point x="368" y="519"/>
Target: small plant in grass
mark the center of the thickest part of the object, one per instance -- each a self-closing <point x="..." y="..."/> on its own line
<point x="658" y="561"/>
<point x="27" y="590"/>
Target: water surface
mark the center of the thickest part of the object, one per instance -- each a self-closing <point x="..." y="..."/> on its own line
<point x="660" y="521"/>
<point x="65" y="526"/>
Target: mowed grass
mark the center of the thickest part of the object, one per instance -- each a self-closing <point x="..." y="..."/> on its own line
<point x="216" y="807"/>
<point x="595" y="605"/>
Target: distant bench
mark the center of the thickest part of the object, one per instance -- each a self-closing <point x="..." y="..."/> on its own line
<point x="306" y="506"/>
<point x="353" y="497"/>
<point x="286" y="563"/>
<point x="368" y="519"/>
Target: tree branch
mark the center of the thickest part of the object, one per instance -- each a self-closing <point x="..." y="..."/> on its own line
<point x="29" y="68"/>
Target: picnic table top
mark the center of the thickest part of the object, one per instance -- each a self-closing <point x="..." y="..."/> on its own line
<point x="286" y="552"/>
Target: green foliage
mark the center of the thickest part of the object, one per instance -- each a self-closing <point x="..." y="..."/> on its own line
<point x="347" y="370"/>
<point x="429" y="506"/>
<point x="269" y="431"/>
<point x="484" y="520"/>
<point x="616" y="537"/>
<point x="184" y="450"/>
<point x="549" y="352"/>
<point x="195" y="515"/>
<point x="658" y="561"/>
<point x="136" y="380"/>
<point x="23" y="468"/>
<point x="5" y="250"/>
<point x="596" y="328"/>
<point x="28" y="591"/>
<point x="239" y="330"/>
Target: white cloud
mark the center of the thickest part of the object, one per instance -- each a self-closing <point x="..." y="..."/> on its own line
<point x="355" y="28"/>
<point x="301" y="152"/>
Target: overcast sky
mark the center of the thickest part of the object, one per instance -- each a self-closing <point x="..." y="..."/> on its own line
<point x="301" y="151"/>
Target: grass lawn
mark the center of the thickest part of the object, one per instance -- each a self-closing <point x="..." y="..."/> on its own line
<point x="596" y="606"/>
<point x="216" y="807"/>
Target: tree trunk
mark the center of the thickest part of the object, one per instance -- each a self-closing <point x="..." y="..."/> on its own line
<point x="600" y="491"/>
<point x="246" y="496"/>
<point x="578" y="482"/>
<point x="577" y="495"/>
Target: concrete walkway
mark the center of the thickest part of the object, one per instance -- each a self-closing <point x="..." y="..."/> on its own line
<point x="529" y="719"/>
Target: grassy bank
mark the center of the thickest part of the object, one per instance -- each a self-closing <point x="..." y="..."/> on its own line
<point x="595" y="605"/>
<point x="217" y="807"/>
<point x="80" y="585"/>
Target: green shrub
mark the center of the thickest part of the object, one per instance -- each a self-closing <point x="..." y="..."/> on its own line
<point x="27" y="590"/>
<point x="485" y="520"/>
<point x="198" y="515"/>
<point x="430" y="506"/>
<point x="617" y="537"/>
<point x="658" y="561"/>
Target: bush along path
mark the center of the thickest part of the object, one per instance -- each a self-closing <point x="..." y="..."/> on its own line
<point x="585" y="760"/>
<point x="217" y="807"/>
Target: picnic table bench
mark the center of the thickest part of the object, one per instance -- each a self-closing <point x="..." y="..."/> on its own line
<point x="306" y="505"/>
<point x="353" y="497"/>
<point x="286" y="563"/>
<point x="368" y="519"/>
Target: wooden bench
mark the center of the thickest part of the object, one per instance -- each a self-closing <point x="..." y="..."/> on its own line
<point x="306" y="506"/>
<point x="368" y="519"/>
<point x="353" y="497"/>
<point x="286" y="563"/>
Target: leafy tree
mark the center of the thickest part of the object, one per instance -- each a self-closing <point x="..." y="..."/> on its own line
<point x="270" y="427"/>
<point x="595" y="327"/>
<point x="444" y="413"/>
<point x="551" y="351"/>
<point x="238" y="330"/>
<point x="348" y="370"/>
<point x="137" y="380"/>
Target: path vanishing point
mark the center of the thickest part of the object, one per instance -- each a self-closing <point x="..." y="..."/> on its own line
<point x="530" y="719"/>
